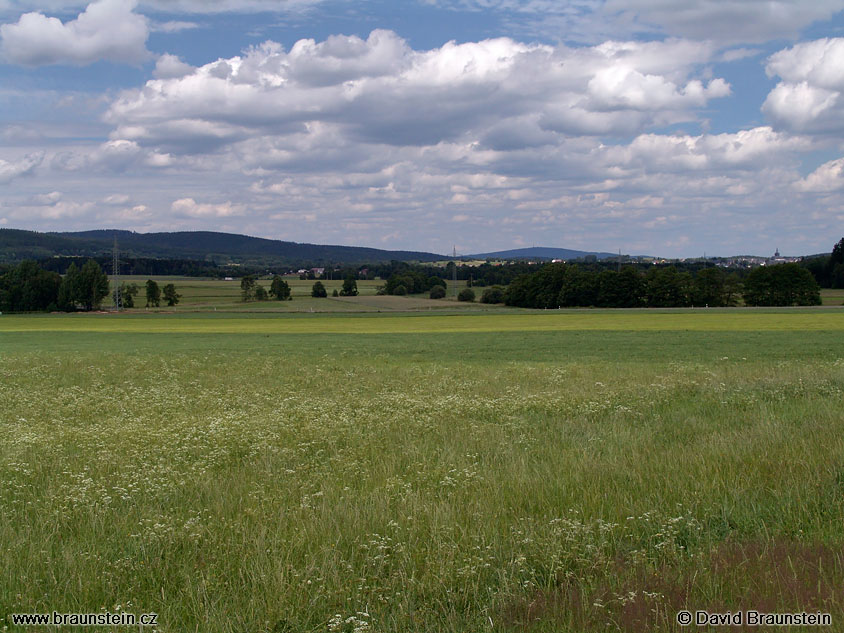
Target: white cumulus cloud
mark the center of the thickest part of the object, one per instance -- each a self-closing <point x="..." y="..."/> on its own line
<point x="826" y="178"/>
<point x="809" y="97"/>
<point x="9" y="170"/>
<point x="381" y="91"/>
<point x="191" y="208"/>
<point x="105" y="30"/>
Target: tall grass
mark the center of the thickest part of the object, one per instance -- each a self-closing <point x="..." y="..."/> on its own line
<point x="318" y="487"/>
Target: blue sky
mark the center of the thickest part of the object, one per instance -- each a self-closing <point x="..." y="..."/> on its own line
<point x="650" y="126"/>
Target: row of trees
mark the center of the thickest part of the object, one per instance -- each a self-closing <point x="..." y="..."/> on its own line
<point x="251" y="290"/>
<point x="410" y="282"/>
<point x="29" y="288"/>
<point x="829" y="269"/>
<point x="349" y="289"/>
<point x="562" y="285"/>
<point x="154" y="294"/>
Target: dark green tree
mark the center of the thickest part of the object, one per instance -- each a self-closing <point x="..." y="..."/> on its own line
<point x="318" y="290"/>
<point x="29" y="288"/>
<point x="69" y="289"/>
<point x="437" y="292"/>
<point x="837" y="256"/>
<point x="434" y="280"/>
<point x="261" y="293"/>
<point x="782" y="285"/>
<point x="732" y="289"/>
<point x="494" y="294"/>
<point x="709" y="288"/>
<point x="153" y="294"/>
<point x="666" y="287"/>
<point x="170" y="295"/>
<point x="467" y="294"/>
<point x="128" y="292"/>
<point x="835" y="266"/>
<point x="280" y="289"/>
<point x="350" y="287"/>
<point x="518" y="292"/>
<point x="93" y="285"/>
<point x="619" y="289"/>
<point x="579" y="288"/>
<point x="247" y="288"/>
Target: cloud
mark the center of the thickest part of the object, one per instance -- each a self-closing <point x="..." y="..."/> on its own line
<point x="826" y="178"/>
<point x="747" y="149"/>
<point x="225" y="6"/>
<point x="45" y="199"/>
<point x="106" y="30"/>
<point x="809" y="97"/>
<point x="191" y="208"/>
<point x="173" y="6"/>
<point x="9" y="170"/>
<point x="380" y="91"/>
<point x="171" y="67"/>
<point x="724" y="21"/>
<point x="174" y="26"/>
<point x="50" y="208"/>
<point x="111" y="156"/>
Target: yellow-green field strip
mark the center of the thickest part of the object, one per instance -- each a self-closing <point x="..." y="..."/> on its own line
<point x="622" y="321"/>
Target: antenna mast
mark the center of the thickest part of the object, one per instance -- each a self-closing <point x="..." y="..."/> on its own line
<point x="454" y="272"/>
<point x="115" y="274"/>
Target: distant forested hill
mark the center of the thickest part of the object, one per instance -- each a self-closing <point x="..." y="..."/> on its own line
<point x="222" y="248"/>
<point x="540" y="252"/>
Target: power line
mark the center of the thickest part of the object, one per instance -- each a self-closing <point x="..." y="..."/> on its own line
<point x="115" y="274"/>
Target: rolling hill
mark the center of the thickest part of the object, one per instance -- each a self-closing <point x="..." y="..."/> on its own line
<point x="222" y="248"/>
<point x="540" y="252"/>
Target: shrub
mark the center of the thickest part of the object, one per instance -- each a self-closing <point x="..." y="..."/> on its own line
<point x="400" y="290"/>
<point x="467" y="294"/>
<point x="318" y="290"/>
<point x="437" y="292"/>
<point x="493" y="295"/>
<point x="350" y="287"/>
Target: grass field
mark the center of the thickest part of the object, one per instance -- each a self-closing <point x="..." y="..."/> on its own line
<point x="203" y="295"/>
<point x="832" y="297"/>
<point x="570" y="471"/>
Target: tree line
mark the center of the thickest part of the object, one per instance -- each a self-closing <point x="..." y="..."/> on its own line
<point x="828" y="270"/>
<point x="570" y="285"/>
<point x="28" y="287"/>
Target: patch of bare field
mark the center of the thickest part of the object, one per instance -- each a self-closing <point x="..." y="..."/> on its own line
<point x="776" y="576"/>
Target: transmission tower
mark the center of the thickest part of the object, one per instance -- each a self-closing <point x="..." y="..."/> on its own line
<point x="454" y="272"/>
<point x="115" y="275"/>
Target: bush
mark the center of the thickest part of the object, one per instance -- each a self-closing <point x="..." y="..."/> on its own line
<point x="493" y="295"/>
<point x="350" y="287"/>
<point x="781" y="285"/>
<point x="319" y="290"/>
<point x="335" y="293"/>
<point x="467" y="294"/>
<point x="437" y="292"/>
<point x="400" y="290"/>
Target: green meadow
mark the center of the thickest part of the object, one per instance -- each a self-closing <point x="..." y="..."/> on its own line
<point x="454" y="470"/>
<point x="210" y="295"/>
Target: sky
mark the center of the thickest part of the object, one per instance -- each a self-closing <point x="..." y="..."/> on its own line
<point x="660" y="127"/>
